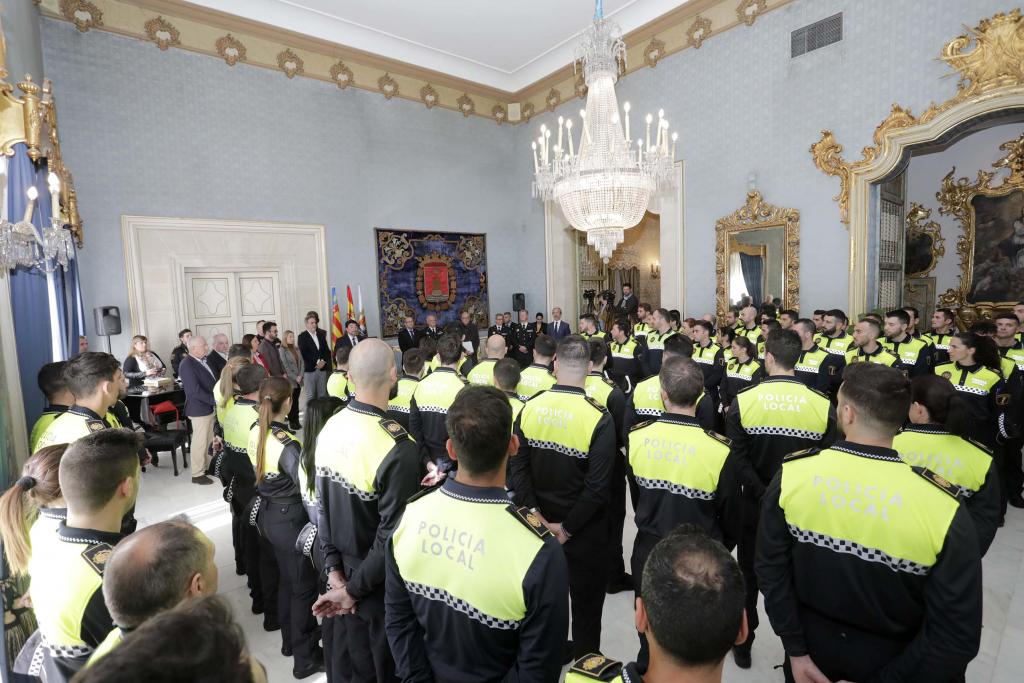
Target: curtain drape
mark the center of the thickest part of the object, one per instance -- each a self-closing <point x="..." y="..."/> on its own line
<point x="753" y="276"/>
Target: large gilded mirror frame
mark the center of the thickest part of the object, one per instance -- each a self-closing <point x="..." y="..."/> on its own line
<point x="757" y="214"/>
<point x="990" y="63"/>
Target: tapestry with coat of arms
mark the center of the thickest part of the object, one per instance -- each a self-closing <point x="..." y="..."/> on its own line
<point x="423" y="273"/>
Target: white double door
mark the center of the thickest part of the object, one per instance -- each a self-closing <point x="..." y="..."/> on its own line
<point x="232" y="302"/>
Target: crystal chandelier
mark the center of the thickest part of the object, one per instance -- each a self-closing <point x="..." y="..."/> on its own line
<point x="603" y="185"/>
<point x="21" y="245"/>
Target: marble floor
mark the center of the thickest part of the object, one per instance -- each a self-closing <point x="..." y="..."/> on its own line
<point x="1001" y="659"/>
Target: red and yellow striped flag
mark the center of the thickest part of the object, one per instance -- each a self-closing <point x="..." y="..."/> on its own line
<point x="351" y="306"/>
<point x="336" y="329"/>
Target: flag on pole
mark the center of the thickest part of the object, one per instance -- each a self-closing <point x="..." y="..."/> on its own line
<point x="362" y="313"/>
<point x="351" y="306"/>
<point x="336" y="330"/>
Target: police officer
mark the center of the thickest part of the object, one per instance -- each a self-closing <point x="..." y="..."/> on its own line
<point x="522" y="339"/>
<point x="816" y="367"/>
<point x="645" y="401"/>
<point x="58" y="399"/>
<point x="870" y="569"/>
<point x="500" y="328"/>
<point x="975" y="373"/>
<point x="430" y="402"/>
<point x="700" y="487"/>
<point x="690" y="609"/>
<point x="338" y="383"/>
<point x="99" y="479"/>
<point x="588" y="328"/>
<point x="943" y="329"/>
<point x="483" y="372"/>
<point x="563" y="471"/>
<point x="914" y="354"/>
<point x="749" y="326"/>
<point x="474" y="583"/>
<point x="238" y="476"/>
<point x="628" y="361"/>
<point x="765" y="422"/>
<point x="710" y="357"/>
<point x="537" y="376"/>
<point x="867" y="349"/>
<point x="275" y="454"/>
<point x="834" y="338"/>
<point x="94" y="379"/>
<point x="367" y="467"/>
<point x="506" y="378"/>
<point x="1011" y="348"/>
<point x="742" y="370"/>
<point x="655" y="342"/>
<point x="642" y="326"/>
<point x="412" y="371"/>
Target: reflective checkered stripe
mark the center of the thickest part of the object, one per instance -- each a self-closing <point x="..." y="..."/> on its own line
<point x="394" y="407"/>
<point x="785" y="431"/>
<point x="807" y="368"/>
<point x="255" y="511"/>
<point x="834" y="352"/>
<point x="678" y="489"/>
<point x="648" y="412"/>
<point x="703" y="360"/>
<point x="432" y="409"/>
<point x="307" y="546"/>
<point x="971" y="390"/>
<point x="557" y="447"/>
<point x="336" y="477"/>
<point x="738" y="375"/>
<point x="459" y="605"/>
<point x="865" y="553"/>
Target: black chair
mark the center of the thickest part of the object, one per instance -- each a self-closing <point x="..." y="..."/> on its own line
<point x="169" y="441"/>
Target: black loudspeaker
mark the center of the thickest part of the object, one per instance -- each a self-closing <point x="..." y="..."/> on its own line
<point x="108" y="320"/>
<point x="518" y="301"/>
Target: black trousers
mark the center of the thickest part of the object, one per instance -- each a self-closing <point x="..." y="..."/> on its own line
<point x="297" y="580"/>
<point x="1010" y="473"/>
<point x="260" y="567"/>
<point x="642" y="548"/>
<point x="745" y="555"/>
<point x="293" y="414"/>
<point x="359" y="644"/>
<point x="586" y="554"/>
<point x="617" y="517"/>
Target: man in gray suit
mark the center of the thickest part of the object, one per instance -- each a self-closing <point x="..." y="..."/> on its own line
<point x="558" y="329"/>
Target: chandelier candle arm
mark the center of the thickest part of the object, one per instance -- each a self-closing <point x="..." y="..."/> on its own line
<point x="33" y="195"/>
<point x="568" y="133"/>
<point x="625" y="108"/>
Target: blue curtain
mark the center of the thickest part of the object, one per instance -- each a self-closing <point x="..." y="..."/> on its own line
<point x="753" y="275"/>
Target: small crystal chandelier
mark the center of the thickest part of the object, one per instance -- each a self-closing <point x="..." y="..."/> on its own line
<point x="21" y="244"/>
<point x="604" y="187"/>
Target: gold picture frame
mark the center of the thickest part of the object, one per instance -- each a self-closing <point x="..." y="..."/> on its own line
<point x="757" y="214"/>
<point x="985" y="286"/>
<point x="918" y="227"/>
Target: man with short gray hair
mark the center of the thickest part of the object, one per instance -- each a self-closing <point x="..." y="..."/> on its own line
<point x="198" y="380"/>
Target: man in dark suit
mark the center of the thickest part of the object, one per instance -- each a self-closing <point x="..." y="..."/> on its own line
<point x="500" y="328"/>
<point x="197" y="380"/>
<point x="628" y="304"/>
<point x="352" y="336"/>
<point x="408" y="338"/>
<point x="558" y="329"/>
<point x="316" y="358"/>
<point x="523" y="338"/>
<point x="431" y="331"/>
<point x="218" y="356"/>
<point x="469" y="334"/>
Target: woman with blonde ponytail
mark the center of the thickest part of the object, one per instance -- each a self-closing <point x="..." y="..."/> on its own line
<point x="224" y="389"/>
<point x="29" y="514"/>
<point x="276" y="455"/>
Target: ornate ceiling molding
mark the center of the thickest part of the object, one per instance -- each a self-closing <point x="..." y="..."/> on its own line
<point x="180" y="24"/>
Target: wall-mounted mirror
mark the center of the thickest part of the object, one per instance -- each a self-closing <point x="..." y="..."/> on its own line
<point x="758" y="254"/>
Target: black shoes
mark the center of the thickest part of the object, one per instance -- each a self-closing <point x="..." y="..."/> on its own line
<point x="623" y="582"/>
<point x="270" y="625"/>
<point x="1016" y="501"/>
<point x="315" y="668"/>
<point x="202" y="480"/>
<point x="286" y="650"/>
<point x="741" y="655"/>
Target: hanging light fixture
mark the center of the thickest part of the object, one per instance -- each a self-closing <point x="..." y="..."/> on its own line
<point x="603" y="185"/>
<point x="21" y="244"/>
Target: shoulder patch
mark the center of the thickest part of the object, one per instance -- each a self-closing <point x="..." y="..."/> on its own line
<point x="530" y="520"/>
<point x="641" y="425"/>
<point x="395" y="430"/>
<point x="97" y="555"/>
<point x="977" y="444"/>
<point x="1002" y="399"/>
<point x="596" y="404"/>
<point x="744" y="389"/>
<point x="96" y="425"/>
<point x="282" y="436"/>
<point x="939" y="481"/>
<point x="819" y="393"/>
<point x="801" y="454"/>
<point x="419" y="494"/>
<point x="597" y="667"/>
<point x="718" y="437"/>
<point x="610" y="383"/>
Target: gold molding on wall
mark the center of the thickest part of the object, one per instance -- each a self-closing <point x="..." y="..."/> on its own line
<point x="186" y="26"/>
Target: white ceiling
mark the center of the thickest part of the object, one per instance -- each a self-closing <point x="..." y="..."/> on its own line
<point x="506" y="45"/>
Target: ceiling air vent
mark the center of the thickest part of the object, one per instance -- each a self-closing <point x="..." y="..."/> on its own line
<point x="818" y="34"/>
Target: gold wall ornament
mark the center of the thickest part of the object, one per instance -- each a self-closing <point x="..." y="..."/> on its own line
<point x="925" y="244"/>
<point x="82" y="13"/>
<point x="342" y="75"/>
<point x="757" y="214"/>
<point x="527" y="111"/>
<point x="992" y="263"/>
<point x="654" y="51"/>
<point x="553" y="99"/>
<point x="698" y="32"/>
<point x="466" y="104"/>
<point x="499" y="114"/>
<point x="749" y="10"/>
<point x="290" y="63"/>
<point x="32" y="118"/>
<point x="162" y="32"/>
<point x="997" y="58"/>
<point x="429" y="96"/>
<point x="230" y="49"/>
<point x="387" y="85"/>
<point x="580" y="86"/>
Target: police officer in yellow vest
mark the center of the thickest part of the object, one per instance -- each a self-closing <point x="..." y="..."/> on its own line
<point x="95" y="379"/>
<point x="866" y="347"/>
<point x="430" y="402"/>
<point x="474" y="583"/>
<point x="710" y="357"/>
<point x="834" y="338"/>
<point x="367" y="467"/>
<point x="536" y="377"/>
<point x="400" y="403"/>
<point x="655" y="342"/>
<point x="562" y="471"/>
<point x="338" y="383"/>
<point x="684" y="473"/>
<point x="58" y="399"/>
<point x="742" y="370"/>
<point x="816" y="367"/>
<point x="1012" y="349"/>
<point x="628" y="357"/>
<point x="914" y="354"/>
<point x="975" y="373"/>
<point x="642" y="327"/>
<point x="765" y="422"/>
<point x="589" y="330"/>
<point x="99" y="478"/>
<point x="483" y="372"/>
<point x="749" y="326"/>
<point x="690" y="609"/>
<point x="943" y="329"/>
<point x="645" y="401"/>
<point x="506" y="378"/>
<point x="275" y="454"/>
<point x="870" y="569"/>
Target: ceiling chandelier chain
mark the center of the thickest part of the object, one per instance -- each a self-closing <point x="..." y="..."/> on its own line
<point x="602" y="184"/>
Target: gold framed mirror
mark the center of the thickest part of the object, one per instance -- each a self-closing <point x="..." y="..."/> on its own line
<point x="925" y="244"/>
<point x="757" y="254"/>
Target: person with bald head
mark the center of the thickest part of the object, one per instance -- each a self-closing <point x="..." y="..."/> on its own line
<point x="198" y="380"/>
<point x="483" y="372"/>
<point x="367" y="467"/>
<point x="153" y="570"/>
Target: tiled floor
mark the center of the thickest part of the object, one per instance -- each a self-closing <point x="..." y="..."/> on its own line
<point x="1001" y="659"/>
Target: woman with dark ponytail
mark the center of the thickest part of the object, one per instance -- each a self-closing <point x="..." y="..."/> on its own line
<point x="975" y="374"/>
<point x="29" y="514"/>
<point x="932" y="441"/>
<point x="276" y="456"/>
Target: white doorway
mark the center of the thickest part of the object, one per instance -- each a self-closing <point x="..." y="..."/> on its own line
<point x="231" y="302"/>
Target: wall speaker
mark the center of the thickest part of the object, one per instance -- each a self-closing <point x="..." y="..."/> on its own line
<point x="518" y="301"/>
<point x="108" y="320"/>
